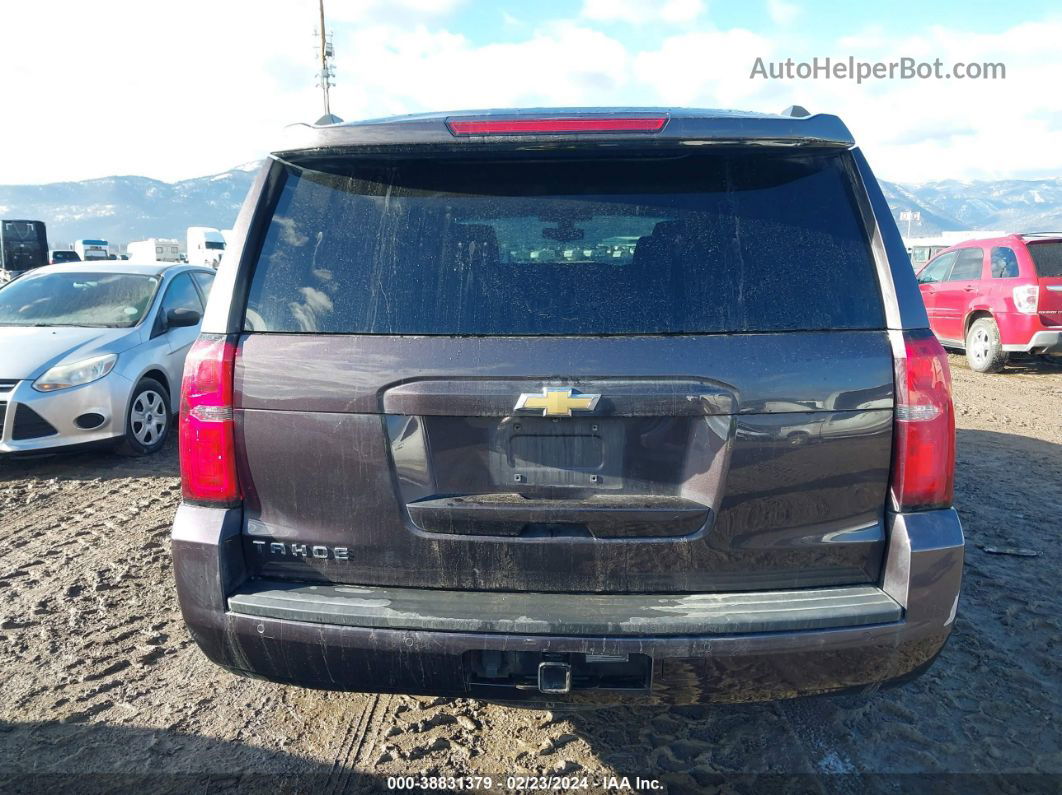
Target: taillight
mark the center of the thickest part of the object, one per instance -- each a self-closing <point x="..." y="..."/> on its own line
<point x="1026" y="297"/>
<point x="923" y="453"/>
<point x="207" y="426"/>
<point x="540" y="126"/>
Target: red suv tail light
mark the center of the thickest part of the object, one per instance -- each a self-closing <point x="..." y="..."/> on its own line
<point x="207" y="426"/>
<point x="1026" y="298"/>
<point x="923" y="453"/>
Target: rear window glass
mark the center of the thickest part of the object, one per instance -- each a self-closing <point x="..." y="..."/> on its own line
<point x="1048" y="258"/>
<point x="1004" y="263"/>
<point x="705" y="243"/>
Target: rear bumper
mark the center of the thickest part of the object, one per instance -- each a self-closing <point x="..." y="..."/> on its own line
<point x="1040" y="342"/>
<point x="1024" y="333"/>
<point x="710" y="663"/>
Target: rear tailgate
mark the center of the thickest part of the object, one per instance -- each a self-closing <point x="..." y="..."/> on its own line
<point x="619" y="374"/>
<point x="1047" y="256"/>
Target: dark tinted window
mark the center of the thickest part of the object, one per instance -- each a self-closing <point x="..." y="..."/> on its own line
<point x="968" y="265"/>
<point x="1004" y="263"/>
<point x="936" y="270"/>
<point x="181" y="294"/>
<point x="23" y="245"/>
<point x="621" y="246"/>
<point x="205" y="282"/>
<point x="1048" y="258"/>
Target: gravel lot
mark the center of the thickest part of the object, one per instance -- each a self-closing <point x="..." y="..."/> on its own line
<point x="98" y="675"/>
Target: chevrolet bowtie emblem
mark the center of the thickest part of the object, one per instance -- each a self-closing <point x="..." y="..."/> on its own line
<point x="556" y="402"/>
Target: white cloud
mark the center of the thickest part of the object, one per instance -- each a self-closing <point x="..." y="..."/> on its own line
<point x="559" y="64"/>
<point x="179" y="90"/>
<point x="782" y="12"/>
<point x="166" y="90"/>
<point x="917" y="130"/>
<point x="912" y="130"/>
<point x="642" y="11"/>
<point x="398" y="12"/>
<point x="709" y="67"/>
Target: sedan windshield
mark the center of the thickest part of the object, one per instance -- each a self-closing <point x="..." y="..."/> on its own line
<point x="103" y="300"/>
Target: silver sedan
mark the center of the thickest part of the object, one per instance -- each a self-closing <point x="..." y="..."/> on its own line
<point x="92" y="353"/>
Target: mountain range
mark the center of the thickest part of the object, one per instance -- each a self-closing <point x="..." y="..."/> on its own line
<point x="1014" y="205"/>
<point x="120" y="209"/>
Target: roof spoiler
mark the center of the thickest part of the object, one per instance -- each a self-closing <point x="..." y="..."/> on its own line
<point x="536" y="128"/>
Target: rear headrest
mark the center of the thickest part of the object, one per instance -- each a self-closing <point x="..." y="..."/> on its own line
<point x="660" y="244"/>
<point x="473" y="244"/>
<point x="669" y="229"/>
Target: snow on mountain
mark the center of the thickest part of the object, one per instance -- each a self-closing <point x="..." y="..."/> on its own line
<point x="124" y="208"/>
<point x="1029" y="205"/>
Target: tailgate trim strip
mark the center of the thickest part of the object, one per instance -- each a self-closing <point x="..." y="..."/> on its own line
<point x="603" y="515"/>
<point x="566" y="614"/>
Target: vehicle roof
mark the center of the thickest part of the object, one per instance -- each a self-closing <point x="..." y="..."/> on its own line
<point x="120" y="266"/>
<point x="1016" y="238"/>
<point x="574" y="112"/>
<point x="682" y="125"/>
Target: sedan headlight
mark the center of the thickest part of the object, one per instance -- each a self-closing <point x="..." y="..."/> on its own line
<point x="63" y="376"/>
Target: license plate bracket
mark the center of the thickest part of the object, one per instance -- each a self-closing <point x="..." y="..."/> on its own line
<point x="574" y="452"/>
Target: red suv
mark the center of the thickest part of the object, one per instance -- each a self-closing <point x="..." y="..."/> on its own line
<point x="996" y="296"/>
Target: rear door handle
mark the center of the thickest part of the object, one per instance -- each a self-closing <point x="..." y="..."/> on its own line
<point x="619" y="516"/>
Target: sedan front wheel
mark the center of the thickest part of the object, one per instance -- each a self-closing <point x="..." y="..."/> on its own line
<point x="147" y="420"/>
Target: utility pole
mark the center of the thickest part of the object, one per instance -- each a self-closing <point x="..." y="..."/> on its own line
<point x="910" y="216"/>
<point x="325" y="78"/>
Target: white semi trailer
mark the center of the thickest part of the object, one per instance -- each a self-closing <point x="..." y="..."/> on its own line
<point x="205" y="246"/>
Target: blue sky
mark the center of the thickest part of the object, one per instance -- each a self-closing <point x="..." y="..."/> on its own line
<point x="175" y="90"/>
<point x="820" y="21"/>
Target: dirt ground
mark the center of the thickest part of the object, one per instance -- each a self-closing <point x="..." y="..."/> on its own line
<point x="99" y="678"/>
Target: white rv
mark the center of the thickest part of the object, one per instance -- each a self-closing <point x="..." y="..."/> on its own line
<point x="154" y="249"/>
<point x="205" y="246"/>
<point x="923" y="249"/>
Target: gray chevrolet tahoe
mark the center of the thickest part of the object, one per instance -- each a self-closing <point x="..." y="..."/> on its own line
<point x="600" y="406"/>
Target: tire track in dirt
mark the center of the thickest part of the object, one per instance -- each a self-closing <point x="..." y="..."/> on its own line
<point x="348" y="750"/>
<point x="357" y="746"/>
